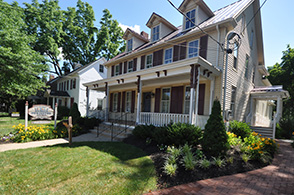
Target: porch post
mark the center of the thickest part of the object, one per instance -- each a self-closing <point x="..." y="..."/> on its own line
<point x="197" y="94"/>
<point x="192" y="94"/>
<point x="107" y="101"/>
<point x="87" y="95"/>
<point x="48" y="101"/>
<point x="139" y="85"/>
<point x="252" y="111"/>
<point x="278" y="109"/>
<point x="53" y="102"/>
<point x="212" y="83"/>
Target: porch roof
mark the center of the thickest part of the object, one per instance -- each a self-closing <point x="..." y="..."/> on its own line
<point x="154" y="73"/>
<point x="269" y="92"/>
<point x="51" y="93"/>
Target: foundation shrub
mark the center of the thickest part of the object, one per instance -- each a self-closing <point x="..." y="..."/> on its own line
<point x="144" y="131"/>
<point x="62" y="111"/>
<point x="160" y="136"/>
<point x="74" y="113"/>
<point x="240" y="129"/>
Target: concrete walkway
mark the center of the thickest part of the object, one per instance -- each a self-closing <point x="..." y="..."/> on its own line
<point x="277" y="178"/>
<point x="51" y="142"/>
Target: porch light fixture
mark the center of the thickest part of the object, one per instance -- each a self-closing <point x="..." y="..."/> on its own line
<point x="236" y="39"/>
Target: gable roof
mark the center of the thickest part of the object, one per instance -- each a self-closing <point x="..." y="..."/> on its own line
<point x="135" y="34"/>
<point x="156" y="16"/>
<point x="200" y="3"/>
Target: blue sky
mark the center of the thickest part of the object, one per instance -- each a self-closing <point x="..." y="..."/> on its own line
<point x="276" y="17"/>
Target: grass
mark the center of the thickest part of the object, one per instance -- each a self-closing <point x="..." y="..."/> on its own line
<point x="7" y="122"/>
<point x="84" y="168"/>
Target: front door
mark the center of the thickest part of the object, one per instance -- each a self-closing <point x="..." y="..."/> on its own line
<point x="146" y="107"/>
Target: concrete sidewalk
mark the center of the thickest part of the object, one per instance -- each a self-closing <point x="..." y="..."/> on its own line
<point x="51" y="142"/>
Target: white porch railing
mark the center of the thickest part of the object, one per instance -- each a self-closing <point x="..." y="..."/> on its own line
<point x="262" y="120"/>
<point x="201" y="121"/>
<point x="160" y="119"/>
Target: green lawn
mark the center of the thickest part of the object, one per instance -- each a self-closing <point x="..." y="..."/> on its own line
<point x="6" y="124"/>
<point x="84" y="168"/>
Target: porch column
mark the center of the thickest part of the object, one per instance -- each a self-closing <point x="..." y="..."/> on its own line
<point x="139" y="86"/>
<point x="192" y="94"/>
<point x="87" y="106"/>
<point x="53" y="102"/>
<point x="279" y="109"/>
<point x="252" y="111"/>
<point x="212" y="83"/>
<point x="107" y="101"/>
<point x="197" y="94"/>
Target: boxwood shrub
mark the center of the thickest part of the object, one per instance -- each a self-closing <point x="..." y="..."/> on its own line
<point x="240" y="129"/>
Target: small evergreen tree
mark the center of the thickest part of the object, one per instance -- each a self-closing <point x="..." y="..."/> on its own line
<point x="75" y="113"/>
<point x="215" y="138"/>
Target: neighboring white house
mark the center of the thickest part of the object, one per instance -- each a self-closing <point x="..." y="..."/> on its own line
<point x="67" y="89"/>
<point x="176" y="75"/>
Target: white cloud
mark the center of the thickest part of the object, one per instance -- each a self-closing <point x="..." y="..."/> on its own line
<point x="135" y="28"/>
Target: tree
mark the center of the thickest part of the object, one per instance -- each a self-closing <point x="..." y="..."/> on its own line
<point x="283" y="74"/>
<point x="75" y="113"/>
<point x="215" y="138"/>
<point x="109" y="40"/>
<point x="45" y="21"/>
<point x="21" y="67"/>
<point x="80" y="34"/>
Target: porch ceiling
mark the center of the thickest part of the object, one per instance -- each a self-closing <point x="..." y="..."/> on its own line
<point x="269" y="92"/>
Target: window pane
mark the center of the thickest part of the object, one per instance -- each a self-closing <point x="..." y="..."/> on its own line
<point x="165" y="94"/>
<point x="168" y="56"/>
<point x="149" y="61"/>
<point x="130" y="66"/>
<point x="130" y="45"/>
<point x="191" y="15"/>
<point x="193" y="49"/>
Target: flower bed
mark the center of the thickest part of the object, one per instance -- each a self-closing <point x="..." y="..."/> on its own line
<point x="32" y="133"/>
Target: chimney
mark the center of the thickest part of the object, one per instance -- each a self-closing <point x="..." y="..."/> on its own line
<point x="51" y="77"/>
<point x="144" y="34"/>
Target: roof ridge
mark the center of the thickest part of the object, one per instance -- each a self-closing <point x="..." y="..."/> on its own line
<point x="227" y="6"/>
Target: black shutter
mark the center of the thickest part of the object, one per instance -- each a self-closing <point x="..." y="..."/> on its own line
<point x="123" y="101"/>
<point x="125" y="67"/>
<point x="201" y="99"/>
<point x="183" y="50"/>
<point x="203" y="46"/>
<point x="142" y="62"/>
<point x="111" y="102"/>
<point x="135" y="64"/>
<point x="176" y="53"/>
<point x="112" y="71"/>
<point x="118" y="102"/>
<point x="120" y="68"/>
<point x="157" y="57"/>
<point x="157" y="100"/>
<point x="133" y="102"/>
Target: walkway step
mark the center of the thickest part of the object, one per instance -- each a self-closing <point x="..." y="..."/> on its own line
<point x="264" y="131"/>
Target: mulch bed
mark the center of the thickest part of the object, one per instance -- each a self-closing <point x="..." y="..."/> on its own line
<point x="182" y="176"/>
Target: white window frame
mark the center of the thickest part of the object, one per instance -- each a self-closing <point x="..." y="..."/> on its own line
<point x="150" y="64"/>
<point x="130" y="68"/>
<point x="235" y="54"/>
<point x="116" y="70"/>
<point x="186" y="20"/>
<point x="233" y="100"/>
<point x="128" y="102"/>
<point x="187" y="101"/>
<point x="165" y="101"/>
<point x="194" y="54"/>
<point x="101" y="68"/>
<point x="99" y="104"/>
<point x="157" y="28"/>
<point x="130" y="45"/>
<point x="115" y="102"/>
<point x="167" y="61"/>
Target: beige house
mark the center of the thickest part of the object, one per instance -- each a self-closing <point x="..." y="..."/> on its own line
<point x="177" y="73"/>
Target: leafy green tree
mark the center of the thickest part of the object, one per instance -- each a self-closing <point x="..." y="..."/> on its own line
<point x="109" y="40"/>
<point x="283" y="74"/>
<point x="45" y="21"/>
<point x="21" y="67"/>
<point x="215" y="138"/>
<point x="80" y="34"/>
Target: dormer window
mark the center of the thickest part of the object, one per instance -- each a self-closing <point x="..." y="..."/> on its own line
<point x="190" y="15"/>
<point x="155" y="33"/>
<point x="130" y="45"/>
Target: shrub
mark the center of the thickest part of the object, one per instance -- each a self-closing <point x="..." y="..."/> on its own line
<point x="233" y="139"/>
<point x="188" y="160"/>
<point x="160" y="135"/>
<point x="74" y="113"/>
<point x="204" y="163"/>
<point x="285" y="128"/>
<point x="215" y="138"/>
<point x="88" y="123"/>
<point x="219" y="162"/>
<point x="61" y="130"/>
<point x="144" y="131"/>
<point x="182" y="133"/>
<point x="32" y="133"/>
<point x="62" y="111"/>
<point x="170" y="169"/>
<point x="240" y="129"/>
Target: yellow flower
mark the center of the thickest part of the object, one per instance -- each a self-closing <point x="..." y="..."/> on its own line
<point x="260" y="152"/>
<point x="293" y="133"/>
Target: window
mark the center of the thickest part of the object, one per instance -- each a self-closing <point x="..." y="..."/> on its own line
<point x="253" y="75"/>
<point x="236" y="50"/>
<point x="99" y="104"/>
<point x="233" y="99"/>
<point x="128" y="101"/>
<point x="116" y="70"/>
<point x="155" y="33"/>
<point x="130" y="45"/>
<point x="193" y="48"/>
<point x="168" y="55"/>
<point x="64" y="85"/>
<point x="165" y="100"/>
<point x="251" y="39"/>
<point x="191" y="16"/>
<point x="187" y="100"/>
<point x="115" y="102"/>
<point x="61" y="87"/>
<point x="70" y="83"/>
<point x="149" y="60"/>
<point x="74" y="83"/>
<point x="67" y="85"/>
<point x="130" y="66"/>
<point x="101" y="68"/>
<point x="246" y="66"/>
